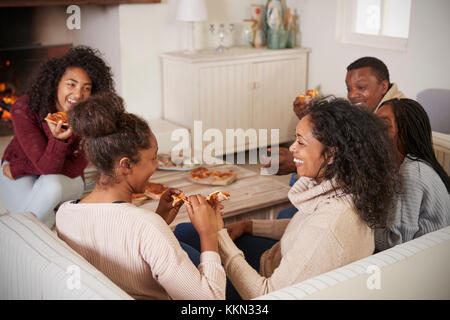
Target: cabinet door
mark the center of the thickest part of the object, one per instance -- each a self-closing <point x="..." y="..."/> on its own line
<point x="277" y="83"/>
<point x="225" y="99"/>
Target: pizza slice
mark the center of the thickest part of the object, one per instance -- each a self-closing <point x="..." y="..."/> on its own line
<point x="58" y="116"/>
<point x="138" y="197"/>
<point x="310" y="95"/>
<point x="200" y="173"/>
<point x="217" y="196"/>
<point x="178" y="198"/>
<point x="155" y="190"/>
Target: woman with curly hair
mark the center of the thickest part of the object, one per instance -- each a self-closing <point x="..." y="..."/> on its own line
<point x="424" y="202"/>
<point x="346" y="187"/>
<point x="43" y="164"/>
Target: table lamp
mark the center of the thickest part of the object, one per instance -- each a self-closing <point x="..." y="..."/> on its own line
<point x="191" y="11"/>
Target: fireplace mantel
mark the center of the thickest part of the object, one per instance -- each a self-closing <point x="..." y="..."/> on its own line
<point x="38" y="3"/>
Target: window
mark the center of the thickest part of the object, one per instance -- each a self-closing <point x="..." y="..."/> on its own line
<point x="375" y="23"/>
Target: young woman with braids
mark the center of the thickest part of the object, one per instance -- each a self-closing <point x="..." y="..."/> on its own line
<point x="132" y="246"/>
<point x="43" y="164"/>
<point x="424" y="202"/>
<point x="347" y="183"/>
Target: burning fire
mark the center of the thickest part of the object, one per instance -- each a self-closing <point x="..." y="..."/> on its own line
<point x="7" y="99"/>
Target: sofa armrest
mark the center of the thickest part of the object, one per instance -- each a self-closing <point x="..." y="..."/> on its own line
<point x="417" y="269"/>
<point x="36" y="264"/>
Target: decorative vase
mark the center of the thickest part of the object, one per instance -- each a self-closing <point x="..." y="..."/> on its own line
<point x="260" y="38"/>
<point x="257" y="12"/>
<point x="248" y="35"/>
<point x="291" y="28"/>
<point x="274" y="19"/>
<point x="258" y="28"/>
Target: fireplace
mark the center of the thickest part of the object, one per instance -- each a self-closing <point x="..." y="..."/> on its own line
<point x="20" y="56"/>
<point x="17" y="67"/>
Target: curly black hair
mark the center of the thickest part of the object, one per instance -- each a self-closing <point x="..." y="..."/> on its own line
<point x="42" y="92"/>
<point x="363" y="163"/>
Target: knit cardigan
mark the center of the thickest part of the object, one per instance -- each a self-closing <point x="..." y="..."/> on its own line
<point x="423" y="206"/>
<point x="326" y="233"/>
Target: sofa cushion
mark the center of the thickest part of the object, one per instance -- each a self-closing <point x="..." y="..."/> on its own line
<point x="36" y="264"/>
<point x="417" y="269"/>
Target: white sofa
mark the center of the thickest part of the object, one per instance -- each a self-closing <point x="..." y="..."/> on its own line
<point x="36" y="264"/>
<point x="417" y="269"/>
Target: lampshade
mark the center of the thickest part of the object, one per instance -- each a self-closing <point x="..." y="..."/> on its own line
<point x="192" y="10"/>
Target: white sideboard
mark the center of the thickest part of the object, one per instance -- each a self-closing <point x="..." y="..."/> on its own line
<point x="244" y="88"/>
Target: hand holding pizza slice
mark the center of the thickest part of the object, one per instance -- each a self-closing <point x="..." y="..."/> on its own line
<point x="166" y="209"/>
<point x="59" y="125"/>
<point x="178" y="198"/>
<point x="218" y="196"/>
<point x="215" y="200"/>
<point x="211" y="198"/>
<point x="58" y="116"/>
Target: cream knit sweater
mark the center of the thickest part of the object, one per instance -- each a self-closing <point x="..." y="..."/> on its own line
<point x="136" y="249"/>
<point x="326" y="233"/>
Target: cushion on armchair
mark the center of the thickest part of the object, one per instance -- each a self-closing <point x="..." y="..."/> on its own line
<point x="36" y="264"/>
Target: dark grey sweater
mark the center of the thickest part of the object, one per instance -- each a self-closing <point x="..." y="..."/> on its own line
<point x="422" y="207"/>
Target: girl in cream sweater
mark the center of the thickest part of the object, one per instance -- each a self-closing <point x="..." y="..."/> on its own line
<point x="135" y="247"/>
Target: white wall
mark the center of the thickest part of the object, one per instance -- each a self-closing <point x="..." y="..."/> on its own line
<point x="99" y="29"/>
<point x="425" y="63"/>
<point x="133" y="36"/>
<point x="148" y="30"/>
<point x="49" y="26"/>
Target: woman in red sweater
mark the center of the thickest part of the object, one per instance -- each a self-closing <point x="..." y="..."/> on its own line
<point x="43" y="164"/>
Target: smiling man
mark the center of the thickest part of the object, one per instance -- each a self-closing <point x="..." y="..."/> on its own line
<point x="368" y="83"/>
<point x="368" y="86"/>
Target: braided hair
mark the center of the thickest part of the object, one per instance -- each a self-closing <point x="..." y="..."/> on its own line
<point x="414" y="132"/>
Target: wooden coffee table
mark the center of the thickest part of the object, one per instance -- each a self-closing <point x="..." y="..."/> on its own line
<point x="252" y="196"/>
